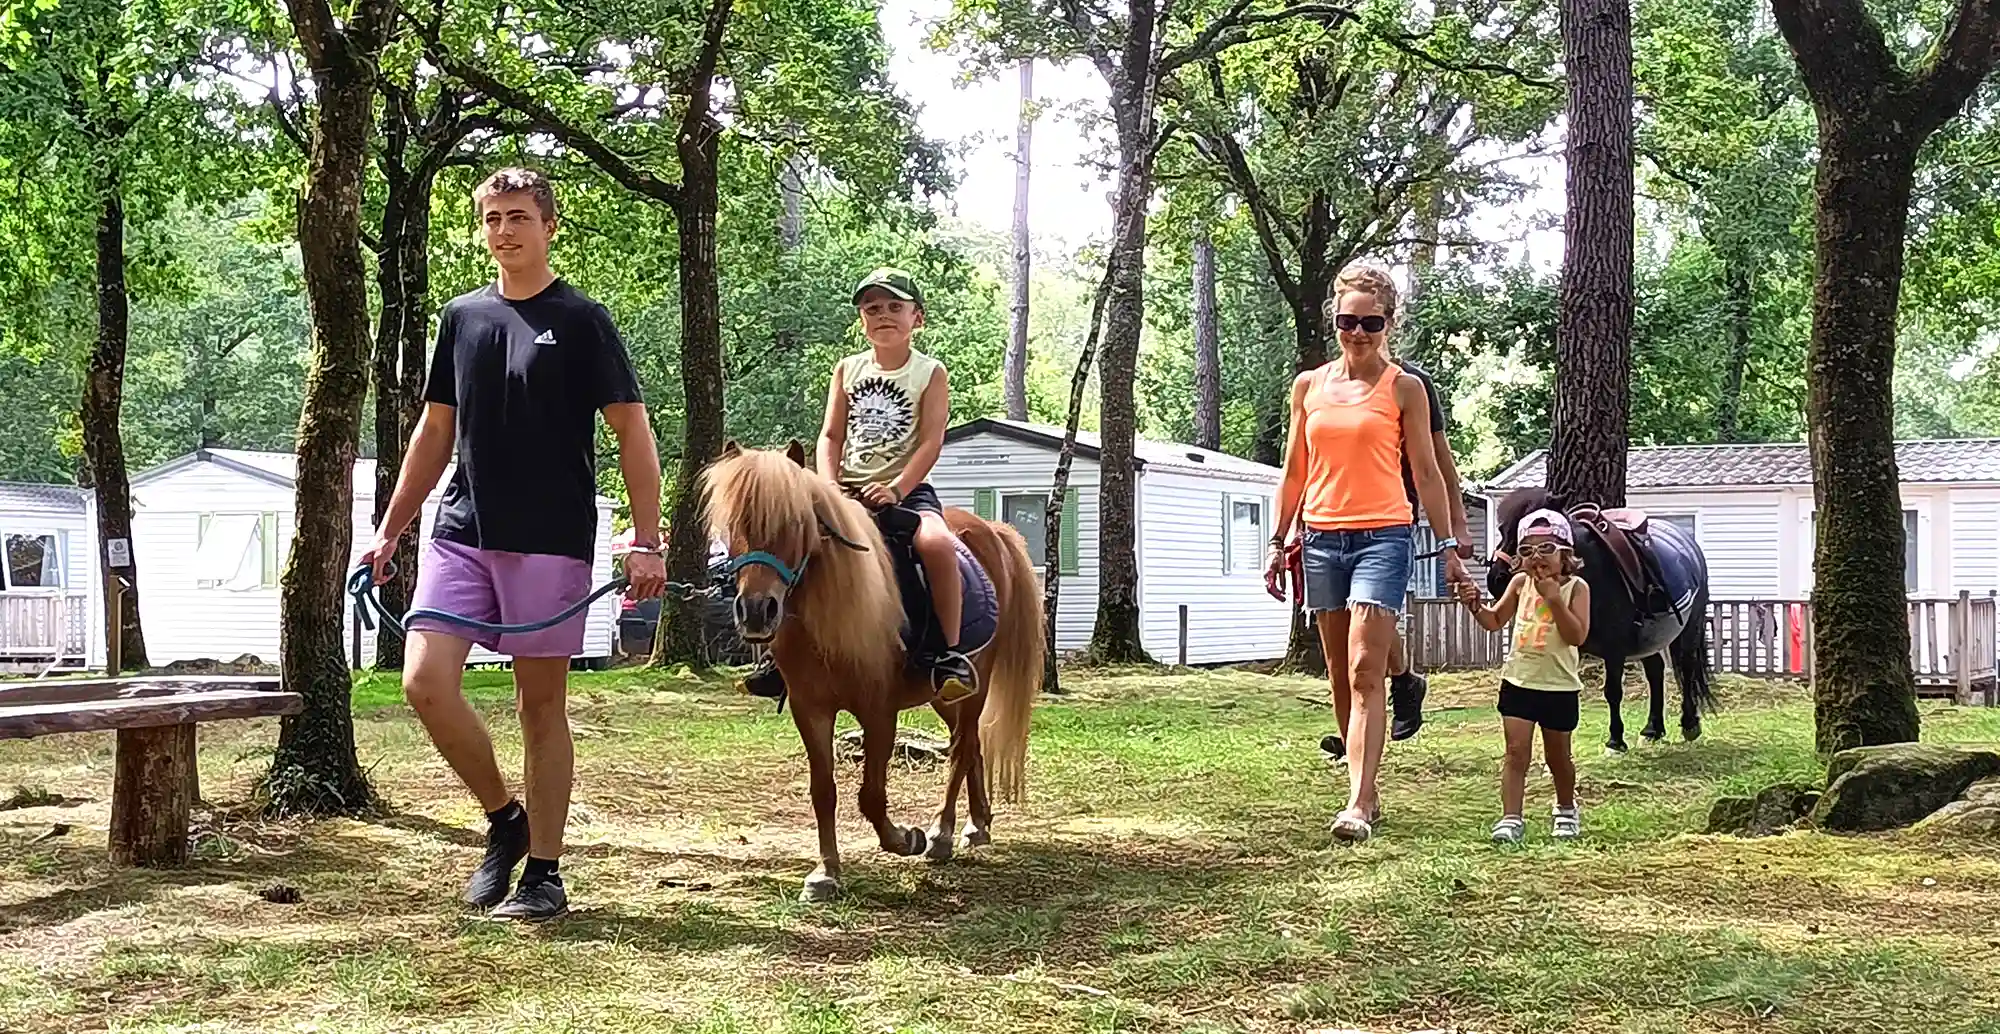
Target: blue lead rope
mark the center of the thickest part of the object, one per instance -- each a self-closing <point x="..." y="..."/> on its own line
<point x="361" y="586"/>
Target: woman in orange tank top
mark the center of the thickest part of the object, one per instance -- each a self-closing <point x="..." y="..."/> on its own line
<point x="1355" y="421"/>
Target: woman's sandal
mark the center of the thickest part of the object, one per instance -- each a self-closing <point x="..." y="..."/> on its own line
<point x="1351" y="827"/>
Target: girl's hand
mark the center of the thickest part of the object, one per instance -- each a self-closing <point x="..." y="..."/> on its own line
<point x="1468" y="593"/>
<point x="1547" y="587"/>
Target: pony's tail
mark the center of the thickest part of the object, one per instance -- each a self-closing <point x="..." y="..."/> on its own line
<point x="1689" y="654"/>
<point x="1017" y="669"/>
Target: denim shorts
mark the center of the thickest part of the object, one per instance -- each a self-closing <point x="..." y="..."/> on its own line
<point x="1343" y="568"/>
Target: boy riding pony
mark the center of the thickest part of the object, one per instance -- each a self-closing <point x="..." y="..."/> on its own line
<point x="886" y="412"/>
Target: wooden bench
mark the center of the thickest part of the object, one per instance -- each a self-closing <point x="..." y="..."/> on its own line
<point x="155" y="782"/>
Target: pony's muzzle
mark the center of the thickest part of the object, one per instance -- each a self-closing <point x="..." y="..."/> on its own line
<point x="757" y="617"/>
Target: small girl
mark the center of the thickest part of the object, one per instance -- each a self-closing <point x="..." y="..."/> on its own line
<point x="1539" y="684"/>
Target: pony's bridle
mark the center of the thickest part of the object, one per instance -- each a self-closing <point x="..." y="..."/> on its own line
<point x="787" y="574"/>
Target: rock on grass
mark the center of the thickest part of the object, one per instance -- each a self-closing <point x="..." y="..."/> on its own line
<point x="1896" y="785"/>
<point x="1978" y="812"/>
<point x="1774" y="810"/>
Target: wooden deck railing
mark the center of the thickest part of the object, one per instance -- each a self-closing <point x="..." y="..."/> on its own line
<point x="1954" y="642"/>
<point x="44" y="626"/>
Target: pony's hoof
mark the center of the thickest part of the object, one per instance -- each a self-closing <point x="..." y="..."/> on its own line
<point x="914" y="842"/>
<point x="1653" y="735"/>
<point x="976" y="836"/>
<point x="1690" y="733"/>
<point x="1615" y="749"/>
<point x="819" y="888"/>
<point x="940" y="849"/>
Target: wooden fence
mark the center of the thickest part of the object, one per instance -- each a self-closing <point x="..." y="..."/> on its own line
<point x="1952" y="641"/>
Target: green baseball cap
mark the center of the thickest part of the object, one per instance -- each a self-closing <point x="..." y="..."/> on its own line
<point x="894" y="281"/>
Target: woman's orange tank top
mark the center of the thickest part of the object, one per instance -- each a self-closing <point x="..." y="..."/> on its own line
<point x="1354" y="458"/>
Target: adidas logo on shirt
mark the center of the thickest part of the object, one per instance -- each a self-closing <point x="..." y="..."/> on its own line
<point x="546" y="337"/>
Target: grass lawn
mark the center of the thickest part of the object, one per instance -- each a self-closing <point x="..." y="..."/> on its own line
<point x="1171" y="871"/>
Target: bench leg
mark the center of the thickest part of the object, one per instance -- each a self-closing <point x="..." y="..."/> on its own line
<point x="149" y="796"/>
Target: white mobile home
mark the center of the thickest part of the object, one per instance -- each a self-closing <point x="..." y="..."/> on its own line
<point x="212" y="530"/>
<point x="1751" y="508"/>
<point x="51" y="603"/>
<point x="1203" y="519"/>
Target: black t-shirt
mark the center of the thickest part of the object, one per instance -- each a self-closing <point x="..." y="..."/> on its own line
<point x="1437" y="423"/>
<point x="527" y="378"/>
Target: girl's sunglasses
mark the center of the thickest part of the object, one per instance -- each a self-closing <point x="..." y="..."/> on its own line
<point x="1540" y="549"/>
<point x="1371" y="324"/>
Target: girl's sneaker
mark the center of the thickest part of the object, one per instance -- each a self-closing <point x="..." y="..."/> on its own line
<point x="1568" y="823"/>
<point x="1509" y="830"/>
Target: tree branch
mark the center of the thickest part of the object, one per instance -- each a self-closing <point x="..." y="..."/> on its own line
<point x="545" y="119"/>
<point x="1962" y="62"/>
<point x="1086" y="37"/>
<point x="1219" y="37"/>
<point x="1226" y="152"/>
<point x="1840" y="50"/>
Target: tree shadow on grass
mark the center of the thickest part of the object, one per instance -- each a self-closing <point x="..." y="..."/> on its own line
<point x="266" y="854"/>
<point x="424" y="825"/>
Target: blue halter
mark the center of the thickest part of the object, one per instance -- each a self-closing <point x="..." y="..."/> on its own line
<point x="785" y="572"/>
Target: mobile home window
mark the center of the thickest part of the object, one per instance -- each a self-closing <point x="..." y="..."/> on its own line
<point x="1029" y="514"/>
<point x="237" y="551"/>
<point x="1243" y="534"/>
<point x="1909" y="547"/>
<point x="1909" y="551"/>
<point x="34" y="561"/>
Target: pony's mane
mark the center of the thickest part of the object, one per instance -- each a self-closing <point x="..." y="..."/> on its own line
<point x="847" y="603"/>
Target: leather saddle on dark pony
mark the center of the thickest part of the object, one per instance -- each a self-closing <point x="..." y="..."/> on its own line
<point x="1626" y="534"/>
<point x="923" y="638"/>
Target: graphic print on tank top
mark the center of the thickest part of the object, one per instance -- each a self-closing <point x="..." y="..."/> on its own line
<point x="881" y="416"/>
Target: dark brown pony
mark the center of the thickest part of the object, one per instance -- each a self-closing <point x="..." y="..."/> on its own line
<point x="813" y="579"/>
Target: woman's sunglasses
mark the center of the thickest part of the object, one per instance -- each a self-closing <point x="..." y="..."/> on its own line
<point x="1371" y="324"/>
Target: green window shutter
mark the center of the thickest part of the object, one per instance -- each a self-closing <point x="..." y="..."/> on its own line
<point x="268" y="534"/>
<point x="985" y="504"/>
<point x="1068" y="561"/>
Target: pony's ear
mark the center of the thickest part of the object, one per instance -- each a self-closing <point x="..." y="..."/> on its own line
<point x="796" y="452"/>
<point x="731" y="450"/>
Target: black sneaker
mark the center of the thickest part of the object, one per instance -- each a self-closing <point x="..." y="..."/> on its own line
<point x="506" y="845"/>
<point x="535" y="902"/>
<point x="764" y="680"/>
<point x="1406" y="704"/>
<point x="954" y="677"/>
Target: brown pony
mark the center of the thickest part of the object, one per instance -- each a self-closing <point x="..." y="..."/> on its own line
<point x="803" y="550"/>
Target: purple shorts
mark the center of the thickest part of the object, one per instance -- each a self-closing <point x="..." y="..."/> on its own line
<point x="502" y="589"/>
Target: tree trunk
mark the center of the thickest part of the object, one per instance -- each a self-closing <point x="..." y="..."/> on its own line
<point x="1017" y="336"/>
<point x="403" y="279"/>
<point x="791" y="236"/>
<point x="1594" y="336"/>
<point x="315" y="769"/>
<point x="680" y="638"/>
<point x="1053" y="515"/>
<point x="1741" y="302"/>
<point x="103" y="398"/>
<point x="1207" y="349"/>
<point x="1116" y="638"/>
<point x="1863" y="690"/>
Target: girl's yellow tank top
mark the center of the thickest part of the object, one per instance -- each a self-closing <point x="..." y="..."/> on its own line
<point x="1540" y="659"/>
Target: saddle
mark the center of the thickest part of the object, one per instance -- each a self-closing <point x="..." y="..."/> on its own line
<point x="1625" y="533"/>
<point x="922" y="636"/>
